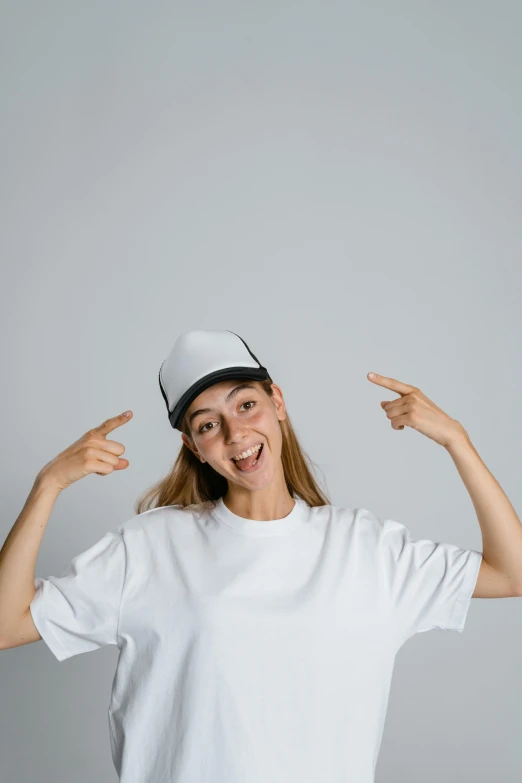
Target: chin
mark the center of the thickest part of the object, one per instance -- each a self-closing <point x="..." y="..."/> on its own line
<point x="257" y="480"/>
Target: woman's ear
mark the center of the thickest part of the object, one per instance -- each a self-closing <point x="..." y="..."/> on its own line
<point x="279" y="402"/>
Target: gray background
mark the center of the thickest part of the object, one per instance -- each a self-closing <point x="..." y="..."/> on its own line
<point x="340" y="184"/>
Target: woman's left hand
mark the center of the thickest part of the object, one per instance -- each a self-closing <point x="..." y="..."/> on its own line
<point x="413" y="409"/>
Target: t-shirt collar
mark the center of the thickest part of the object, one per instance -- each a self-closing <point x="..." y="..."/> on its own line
<point x="258" y="527"/>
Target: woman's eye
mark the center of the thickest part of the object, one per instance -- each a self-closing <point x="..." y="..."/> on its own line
<point x="249" y="402"/>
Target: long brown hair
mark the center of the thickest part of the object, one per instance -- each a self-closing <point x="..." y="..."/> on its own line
<point x="191" y="482"/>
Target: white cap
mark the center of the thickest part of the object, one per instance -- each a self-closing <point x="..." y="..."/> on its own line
<point x="199" y="359"/>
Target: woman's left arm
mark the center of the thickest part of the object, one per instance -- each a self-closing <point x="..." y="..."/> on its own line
<point x="499" y="523"/>
<point x="501" y="574"/>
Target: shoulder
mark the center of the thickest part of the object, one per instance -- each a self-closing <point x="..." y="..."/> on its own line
<point x="159" y="517"/>
<point x="380" y="529"/>
<point x="344" y="514"/>
<point x="330" y="512"/>
<point x="356" y="521"/>
<point x="357" y="524"/>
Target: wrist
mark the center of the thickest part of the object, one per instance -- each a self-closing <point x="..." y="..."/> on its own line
<point x="44" y="482"/>
<point x="458" y="439"/>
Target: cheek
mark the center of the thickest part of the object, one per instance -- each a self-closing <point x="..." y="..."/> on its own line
<point x="265" y="423"/>
<point x="269" y="425"/>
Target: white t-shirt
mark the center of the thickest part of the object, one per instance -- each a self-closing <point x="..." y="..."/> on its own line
<point x="252" y="651"/>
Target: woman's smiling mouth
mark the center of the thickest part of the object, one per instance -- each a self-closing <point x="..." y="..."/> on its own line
<point x="250" y="460"/>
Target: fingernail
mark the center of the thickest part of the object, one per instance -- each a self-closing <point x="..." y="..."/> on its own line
<point x="371" y="375"/>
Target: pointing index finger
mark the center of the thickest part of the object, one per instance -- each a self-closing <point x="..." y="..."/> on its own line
<point x="391" y="383"/>
<point x="110" y="424"/>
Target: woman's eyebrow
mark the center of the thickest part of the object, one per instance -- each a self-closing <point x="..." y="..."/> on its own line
<point x="229" y="396"/>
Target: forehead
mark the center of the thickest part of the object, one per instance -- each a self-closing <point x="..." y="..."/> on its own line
<point x="218" y="393"/>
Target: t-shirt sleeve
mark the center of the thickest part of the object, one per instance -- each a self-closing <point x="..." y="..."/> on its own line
<point x="78" y="611"/>
<point x="430" y="584"/>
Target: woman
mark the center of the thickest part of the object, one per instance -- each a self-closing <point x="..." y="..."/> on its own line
<point x="257" y="623"/>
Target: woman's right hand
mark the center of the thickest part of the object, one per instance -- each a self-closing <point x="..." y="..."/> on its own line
<point x="91" y="453"/>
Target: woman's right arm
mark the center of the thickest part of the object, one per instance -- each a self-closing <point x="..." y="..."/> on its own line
<point x="17" y="565"/>
<point x="91" y="453"/>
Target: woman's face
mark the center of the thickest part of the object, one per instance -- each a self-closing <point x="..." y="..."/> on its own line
<point x="229" y="418"/>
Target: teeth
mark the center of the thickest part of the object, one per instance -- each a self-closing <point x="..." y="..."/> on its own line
<point x="245" y="454"/>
